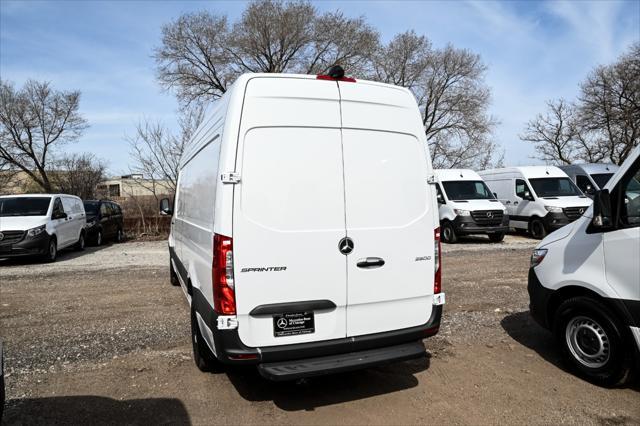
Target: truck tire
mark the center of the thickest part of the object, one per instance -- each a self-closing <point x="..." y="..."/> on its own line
<point x="496" y="237"/>
<point x="537" y="229"/>
<point x="79" y="246"/>
<point x="449" y="233"/>
<point x="592" y="341"/>
<point x="52" y="251"/>
<point x="205" y="360"/>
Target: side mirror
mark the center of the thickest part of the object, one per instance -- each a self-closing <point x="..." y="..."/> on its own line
<point x="602" y="214"/>
<point x="590" y="190"/>
<point x="165" y="207"/>
<point x="495" y="195"/>
<point x="527" y="196"/>
<point x="440" y="199"/>
<point x="59" y="215"/>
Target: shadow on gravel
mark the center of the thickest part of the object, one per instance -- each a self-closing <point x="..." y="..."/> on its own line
<point x="94" y="410"/>
<point x="63" y="256"/>
<point x="524" y="330"/>
<point x="328" y="390"/>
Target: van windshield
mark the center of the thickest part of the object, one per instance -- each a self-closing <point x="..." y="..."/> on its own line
<point x="601" y="179"/>
<point x="91" y="208"/>
<point x="554" y="187"/>
<point x="24" y="206"/>
<point x="467" y="190"/>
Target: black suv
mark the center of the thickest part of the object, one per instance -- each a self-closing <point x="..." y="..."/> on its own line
<point x="104" y="221"/>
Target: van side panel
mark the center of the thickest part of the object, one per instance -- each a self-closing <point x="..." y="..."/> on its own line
<point x="195" y="214"/>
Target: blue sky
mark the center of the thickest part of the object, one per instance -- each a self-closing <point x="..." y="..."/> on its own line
<point x="534" y="51"/>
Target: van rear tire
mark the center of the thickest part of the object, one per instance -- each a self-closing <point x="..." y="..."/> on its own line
<point x="592" y="341"/>
<point x="449" y="233"/>
<point x="205" y="360"/>
<point x="537" y="229"/>
<point x="51" y="254"/>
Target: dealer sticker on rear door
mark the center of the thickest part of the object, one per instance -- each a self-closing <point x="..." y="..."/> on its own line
<point x="292" y="324"/>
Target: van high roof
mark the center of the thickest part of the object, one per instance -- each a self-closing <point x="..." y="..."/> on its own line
<point x="456" y="174"/>
<point x="530" y="172"/>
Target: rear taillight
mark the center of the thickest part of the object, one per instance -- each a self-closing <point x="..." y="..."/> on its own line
<point x="224" y="296"/>
<point x="437" y="282"/>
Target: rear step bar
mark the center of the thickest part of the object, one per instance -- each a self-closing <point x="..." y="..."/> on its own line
<point x="297" y="369"/>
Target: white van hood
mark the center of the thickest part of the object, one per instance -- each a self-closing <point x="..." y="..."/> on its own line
<point x="473" y="205"/>
<point x="21" y="223"/>
<point x="567" y="201"/>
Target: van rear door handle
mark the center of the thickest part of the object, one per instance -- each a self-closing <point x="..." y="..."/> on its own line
<point x="370" y="262"/>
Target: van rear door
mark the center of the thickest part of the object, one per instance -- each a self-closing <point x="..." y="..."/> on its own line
<point x="289" y="213"/>
<point x="390" y="210"/>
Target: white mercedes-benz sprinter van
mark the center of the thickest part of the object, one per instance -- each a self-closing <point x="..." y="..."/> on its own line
<point x="539" y="199"/>
<point x="40" y="224"/>
<point x="584" y="282"/>
<point x="305" y="227"/>
<point x="590" y="177"/>
<point x="467" y="206"/>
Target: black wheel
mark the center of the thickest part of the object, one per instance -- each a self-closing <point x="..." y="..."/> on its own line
<point x="448" y="233"/>
<point x="537" y="229"/>
<point x="99" y="238"/>
<point x="119" y="236"/>
<point x="592" y="341"/>
<point x="52" y="251"/>
<point x="205" y="359"/>
<point x="173" y="276"/>
<point x="496" y="237"/>
<point x="81" y="242"/>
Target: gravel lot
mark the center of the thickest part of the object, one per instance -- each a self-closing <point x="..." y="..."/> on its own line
<point x="102" y="337"/>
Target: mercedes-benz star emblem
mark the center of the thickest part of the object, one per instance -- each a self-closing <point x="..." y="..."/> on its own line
<point x="345" y="245"/>
<point x="581" y="211"/>
<point x="489" y="214"/>
<point x="282" y="323"/>
<point x="1" y="236"/>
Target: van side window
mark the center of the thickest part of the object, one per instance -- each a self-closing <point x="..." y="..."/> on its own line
<point x="630" y="211"/>
<point x="104" y="210"/>
<point x="522" y="189"/>
<point x="584" y="184"/>
<point x="116" y="209"/>
<point x="57" y="208"/>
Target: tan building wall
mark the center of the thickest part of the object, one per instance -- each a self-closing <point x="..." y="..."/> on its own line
<point x="17" y="183"/>
<point x="132" y="186"/>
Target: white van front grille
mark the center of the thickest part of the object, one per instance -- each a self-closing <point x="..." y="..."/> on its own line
<point x="487" y="217"/>
<point x="11" y="237"/>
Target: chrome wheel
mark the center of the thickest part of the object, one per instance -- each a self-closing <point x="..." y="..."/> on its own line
<point x="53" y="250"/>
<point x="99" y="238"/>
<point x="588" y="342"/>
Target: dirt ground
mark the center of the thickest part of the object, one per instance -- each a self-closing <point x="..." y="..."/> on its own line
<point x="102" y="337"/>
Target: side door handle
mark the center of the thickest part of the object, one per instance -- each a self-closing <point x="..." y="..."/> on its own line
<point x="370" y="262"/>
<point x="515" y="203"/>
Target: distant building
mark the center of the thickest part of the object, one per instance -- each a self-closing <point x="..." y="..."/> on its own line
<point x="133" y="185"/>
<point x="17" y="182"/>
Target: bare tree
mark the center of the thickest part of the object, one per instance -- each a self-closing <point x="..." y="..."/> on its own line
<point x="78" y="174"/>
<point x="554" y="133"/>
<point x="201" y="54"/>
<point x="156" y="152"/>
<point x="602" y="125"/>
<point x="33" y="121"/>
<point x="609" y="107"/>
<point x="453" y="98"/>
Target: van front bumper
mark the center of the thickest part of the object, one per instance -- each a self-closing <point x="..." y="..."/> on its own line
<point x="28" y="246"/>
<point x="554" y="221"/>
<point x="539" y="297"/>
<point x="465" y="225"/>
<point x="335" y="355"/>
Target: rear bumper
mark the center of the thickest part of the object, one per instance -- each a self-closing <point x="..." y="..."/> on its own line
<point x="333" y="355"/>
<point x="292" y="370"/>
<point x="26" y="247"/>
<point x="465" y="225"/>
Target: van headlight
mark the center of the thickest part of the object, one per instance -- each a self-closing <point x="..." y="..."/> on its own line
<point x="462" y="212"/>
<point x="537" y="257"/>
<point x="34" y="232"/>
<point x="553" y="209"/>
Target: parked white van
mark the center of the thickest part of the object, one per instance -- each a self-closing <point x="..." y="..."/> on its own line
<point x="590" y="177"/>
<point x="40" y="224"/>
<point x="467" y="206"/>
<point x="584" y="282"/>
<point x="305" y="228"/>
<point x="539" y="199"/>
